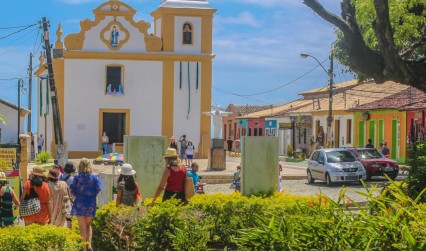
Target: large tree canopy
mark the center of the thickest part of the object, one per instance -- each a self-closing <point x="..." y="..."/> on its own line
<point x="381" y="39"/>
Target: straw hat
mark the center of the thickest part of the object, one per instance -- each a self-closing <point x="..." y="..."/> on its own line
<point x="170" y="153"/>
<point x="172" y="137"/>
<point x="53" y="174"/>
<point x="2" y="176"/>
<point x="39" y="171"/>
<point x="127" y="169"/>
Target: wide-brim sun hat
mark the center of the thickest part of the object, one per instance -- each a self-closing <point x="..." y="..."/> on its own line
<point x="172" y="137"/>
<point x="39" y="171"/>
<point x="127" y="169"/>
<point x="170" y="153"/>
<point x="53" y="174"/>
<point x="2" y="176"/>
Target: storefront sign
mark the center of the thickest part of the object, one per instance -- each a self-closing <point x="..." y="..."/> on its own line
<point x="285" y="125"/>
<point x="7" y="156"/>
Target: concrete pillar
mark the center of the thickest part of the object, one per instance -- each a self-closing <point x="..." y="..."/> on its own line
<point x="259" y="160"/>
<point x="145" y="154"/>
<point x="25" y="141"/>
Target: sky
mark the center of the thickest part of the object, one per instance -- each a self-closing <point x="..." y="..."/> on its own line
<point x="257" y="44"/>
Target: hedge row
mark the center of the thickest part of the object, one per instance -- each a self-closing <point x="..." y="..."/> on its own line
<point x="392" y="221"/>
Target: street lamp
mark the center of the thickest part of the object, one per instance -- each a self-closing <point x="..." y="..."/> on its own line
<point x="330" y="92"/>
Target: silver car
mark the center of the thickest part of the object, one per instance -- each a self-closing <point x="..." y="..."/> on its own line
<point x="334" y="165"/>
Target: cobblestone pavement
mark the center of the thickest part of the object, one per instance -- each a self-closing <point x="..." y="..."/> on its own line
<point x="301" y="187"/>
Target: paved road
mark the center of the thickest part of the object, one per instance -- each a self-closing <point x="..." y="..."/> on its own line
<point x="301" y="187"/>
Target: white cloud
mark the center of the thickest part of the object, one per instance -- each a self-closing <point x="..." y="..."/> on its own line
<point x="244" y="18"/>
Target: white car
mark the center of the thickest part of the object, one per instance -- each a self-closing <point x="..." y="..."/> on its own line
<point x="334" y="165"/>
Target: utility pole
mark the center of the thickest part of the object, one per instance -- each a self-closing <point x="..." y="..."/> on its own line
<point x="18" y="152"/>
<point x="53" y="95"/>
<point x="330" y="102"/>
<point x="30" y="93"/>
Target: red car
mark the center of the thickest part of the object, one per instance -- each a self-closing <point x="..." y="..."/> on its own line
<point x="375" y="163"/>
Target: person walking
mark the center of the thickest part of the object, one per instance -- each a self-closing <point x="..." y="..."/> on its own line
<point x="59" y="199"/>
<point x="190" y="150"/>
<point x="230" y="143"/>
<point x="105" y="141"/>
<point x="173" y="143"/>
<point x="84" y="188"/>
<point x="183" y="145"/>
<point x="67" y="177"/>
<point x="237" y="144"/>
<point x="8" y="202"/>
<point x="127" y="188"/>
<point x="40" y="143"/>
<point x="173" y="179"/>
<point x="37" y="184"/>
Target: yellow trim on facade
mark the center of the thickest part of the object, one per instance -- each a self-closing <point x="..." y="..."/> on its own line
<point x="136" y="56"/>
<point x="206" y="93"/>
<point x="167" y="99"/>
<point x="101" y="122"/>
<point x="59" y="75"/>
<point x="168" y="33"/>
<point x="206" y="34"/>
<point x="83" y="154"/>
<point x="40" y="70"/>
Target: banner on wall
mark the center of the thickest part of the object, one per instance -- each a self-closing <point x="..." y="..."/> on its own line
<point x="13" y="178"/>
<point x="7" y="157"/>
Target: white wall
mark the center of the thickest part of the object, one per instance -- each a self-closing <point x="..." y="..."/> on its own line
<point x="182" y="122"/>
<point x="343" y="127"/>
<point x="9" y="132"/>
<point x="196" y="35"/>
<point x="85" y="95"/>
<point x="157" y="29"/>
<point x="94" y="43"/>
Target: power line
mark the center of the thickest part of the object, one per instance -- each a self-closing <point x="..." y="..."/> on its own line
<point x="17" y="45"/>
<point x="283" y="85"/>
<point x="10" y="34"/>
<point x="15" y="27"/>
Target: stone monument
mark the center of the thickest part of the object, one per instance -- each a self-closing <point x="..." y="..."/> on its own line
<point x="217" y="158"/>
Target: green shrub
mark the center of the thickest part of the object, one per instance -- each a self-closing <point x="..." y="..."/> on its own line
<point x="43" y="157"/>
<point x="113" y="226"/>
<point x="289" y="150"/>
<point x="417" y="172"/>
<point x="35" y="238"/>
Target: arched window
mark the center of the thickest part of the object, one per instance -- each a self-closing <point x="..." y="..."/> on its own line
<point x="187" y="33"/>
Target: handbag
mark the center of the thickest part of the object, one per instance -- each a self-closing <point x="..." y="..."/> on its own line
<point x="189" y="188"/>
<point x="30" y="205"/>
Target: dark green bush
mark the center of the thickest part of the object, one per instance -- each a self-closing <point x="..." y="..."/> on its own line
<point x="417" y="172"/>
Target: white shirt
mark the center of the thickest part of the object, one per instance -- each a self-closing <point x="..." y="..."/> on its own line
<point x="190" y="150"/>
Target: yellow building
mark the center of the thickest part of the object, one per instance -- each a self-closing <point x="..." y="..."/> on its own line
<point x="115" y="76"/>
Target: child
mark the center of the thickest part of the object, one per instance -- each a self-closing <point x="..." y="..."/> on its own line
<point x="237" y="179"/>
<point x="194" y="175"/>
<point x="190" y="149"/>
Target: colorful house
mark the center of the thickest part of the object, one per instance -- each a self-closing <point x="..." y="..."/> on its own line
<point x="391" y="119"/>
<point x="9" y="127"/>
<point x="230" y="122"/>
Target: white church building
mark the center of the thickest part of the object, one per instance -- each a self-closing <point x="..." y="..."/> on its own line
<point x="115" y="77"/>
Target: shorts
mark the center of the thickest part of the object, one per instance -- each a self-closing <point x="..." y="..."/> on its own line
<point x="190" y="156"/>
<point x="104" y="147"/>
<point x="182" y="154"/>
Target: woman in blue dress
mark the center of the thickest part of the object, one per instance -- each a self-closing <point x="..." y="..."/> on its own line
<point x="84" y="188"/>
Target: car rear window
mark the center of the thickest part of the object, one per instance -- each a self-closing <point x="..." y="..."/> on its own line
<point x="340" y="156"/>
<point x="369" y="154"/>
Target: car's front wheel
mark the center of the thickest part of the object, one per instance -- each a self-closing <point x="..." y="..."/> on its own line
<point x="310" y="179"/>
<point x="328" y="180"/>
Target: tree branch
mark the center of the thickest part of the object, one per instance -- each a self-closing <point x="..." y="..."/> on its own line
<point x="328" y="16"/>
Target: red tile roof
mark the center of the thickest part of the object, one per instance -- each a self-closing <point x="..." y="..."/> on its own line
<point x="400" y="100"/>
